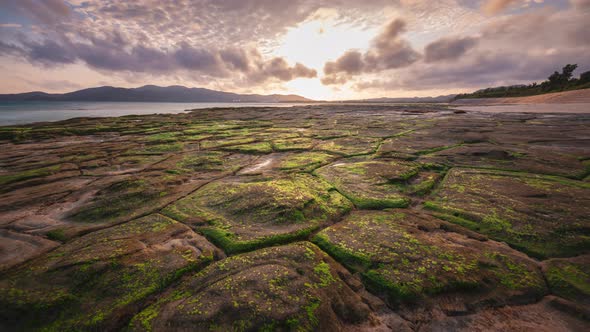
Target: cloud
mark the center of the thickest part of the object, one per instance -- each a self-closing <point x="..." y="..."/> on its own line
<point x="351" y="63"/>
<point x="581" y="4"/>
<point x="49" y="52"/>
<point x="10" y="25"/>
<point x="496" y="6"/>
<point x="236" y="43"/>
<point x="539" y="29"/>
<point x="43" y="11"/>
<point x="278" y="68"/>
<point x="197" y="59"/>
<point x="387" y="51"/>
<point x="492" y="7"/>
<point x="513" y="49"/>
<point x="446" y="49"/>
<point x="483" y="68"/>
<point x="112" y="53"/>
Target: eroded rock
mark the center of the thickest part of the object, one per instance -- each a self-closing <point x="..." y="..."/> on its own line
<point x="543" y="216"/>
<point x="244" y="213"/>
<point x="408" y="258"/>
<point x="98" y="280"/>
<point x="293" y="287"/>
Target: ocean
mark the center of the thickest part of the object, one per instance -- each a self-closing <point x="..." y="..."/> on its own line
<point x="14" y="113"/>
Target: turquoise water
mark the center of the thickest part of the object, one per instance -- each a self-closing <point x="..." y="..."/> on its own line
<point x="12" y="113"/>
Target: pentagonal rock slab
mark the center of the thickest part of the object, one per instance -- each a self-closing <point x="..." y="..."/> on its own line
<point x="243" y="213"/>
<point x="94" y="282"/>
<point x="541" y="215"/>
<point x="292" y="287"/>
<point x="408" y="257"/>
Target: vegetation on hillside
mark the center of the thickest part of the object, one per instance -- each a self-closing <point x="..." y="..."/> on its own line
<point x="556" y="82"/>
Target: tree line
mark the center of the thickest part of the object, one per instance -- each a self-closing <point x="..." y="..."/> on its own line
<point x="556" y="82"/>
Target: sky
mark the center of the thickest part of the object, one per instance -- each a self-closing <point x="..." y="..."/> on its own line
<point x="320" y="49"/>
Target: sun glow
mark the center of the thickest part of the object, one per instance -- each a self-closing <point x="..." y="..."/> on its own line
<point x="322" y="38"/>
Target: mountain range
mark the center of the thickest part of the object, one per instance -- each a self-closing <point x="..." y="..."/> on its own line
<point x="152" y="93"/>
<point x="177" y="93"/>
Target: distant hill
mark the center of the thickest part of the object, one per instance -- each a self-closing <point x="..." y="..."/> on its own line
<point x="152" y="93"/>
<point x="439" y="99"/>
<point x="556" y="82"/>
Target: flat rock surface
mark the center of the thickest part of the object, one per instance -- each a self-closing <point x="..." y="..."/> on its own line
<point x="97" y="280"/>
<point x="288" y="287"/>
<point x="325" y="217"/>
<point x="543" y="216"/>
<point x="405" y="256"/>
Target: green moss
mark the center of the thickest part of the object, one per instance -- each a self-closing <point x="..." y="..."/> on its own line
<point x="349" y="146"/>
<point x="146" y="316"/>
<point x="235" y="215"/>
<point x="502" y="230"/>
<point x="518" y="275"/>
<point x="28" y="174"/>
<point x="231" y="245"/>
<point x="396" y="292"/>
<point x="119" y="200"/>
<point x="305" y="161"/>
<point x="218" y="143"/>
<point x="379" y="204"/>
<point x="403" y="264"/>
<point x="353" y="259"/>
<point x="110" y="208"/>
<point x="163" y="148"/>
<point x="494" y="222"/>
<point x="310" y="309"/>
<point x="207" y="160"/>
<point x="101" y="277"/>
<point x="165" y="137"/>
<point x="254" y="148"/>
<point x="323" y="271"/>
<point x="422" y="188"/>
<point x="436" y="149"/>
<point x="569" y="280"/>
<point x="372" y="184"/>
<point x="57" y="235"/>
<point x="15" y="134"/>
<point x="293" y="144"/>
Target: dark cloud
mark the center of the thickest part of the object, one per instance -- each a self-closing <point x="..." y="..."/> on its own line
<point x="49" y="52"/>
<point x="9" y="49"/>
<point x="448" y="48"/>
<point x="279" y="69"/>
<point x="581" y="4"/>
<point x="197" y="59"/>
<point x="237" y="59"/>
<point x="515" y="49"/>
<point x="483" y="69"/>
<point x="542" y="28"/>
<point x="350" y="63"/>
<point x="113" y="54"/>
<point x="43" y="11"/>
<point x="398" y="54"/>
<point x="390" y="34"/>
<point x="387" y="51"/>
